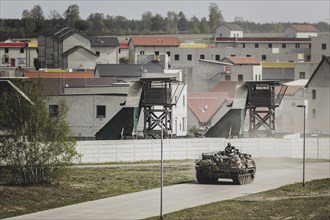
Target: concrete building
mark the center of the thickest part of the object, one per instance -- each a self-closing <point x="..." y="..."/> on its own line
<point x="266" y="48"/>
<point x="301" y="31"/>
<point x="229" y="30"/>
<point x="243" y="69"/>
<point x="15" y="54"/>
<point x="67" y="48"/>
<point x="320" y="47"/>
<point x="144" y="49"/>
<point x="106" y="48"/>
<point x="318" y="95"/>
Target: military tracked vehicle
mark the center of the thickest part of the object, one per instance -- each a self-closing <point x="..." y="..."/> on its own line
<point x="227" y="164"/>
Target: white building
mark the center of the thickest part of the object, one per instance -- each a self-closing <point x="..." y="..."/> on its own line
<point x="229" y="30"/>
<point x="301" y="31"/>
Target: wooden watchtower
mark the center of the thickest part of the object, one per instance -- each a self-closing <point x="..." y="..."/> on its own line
<point x="261" y="104"/>
<point x="157" y="103"/>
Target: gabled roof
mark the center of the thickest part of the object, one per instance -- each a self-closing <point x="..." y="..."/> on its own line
<point x="233" y="27"/>
<point x="225" y="86"/>
<point x="291" y="90"/>
<point x="104" y="41"/>
<point x="242" y="60"/>
<point x="160" y="41"/>
<point x="127" y="70"/>
<point x="304" y="28"/>
<point x="205" y="104"/>
<point x="324" y="60"/>
<point x="76" y="48"/>
<point x="67" y="75"/>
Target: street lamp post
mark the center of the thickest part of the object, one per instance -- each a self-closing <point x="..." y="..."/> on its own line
<point x="304" y="161"/>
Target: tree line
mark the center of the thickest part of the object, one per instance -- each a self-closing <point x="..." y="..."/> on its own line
<point x="33" y="23"/>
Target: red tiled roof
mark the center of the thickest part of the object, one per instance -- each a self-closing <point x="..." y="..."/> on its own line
<point x="13" y="44"/>
<point x="225" y="86"/>
<point x="40" y="74"/>
<point x="123" y="45"/>
<point x="304" y="28"/>
<point x="243" y="60"/>
<point x="156" y="41"/>
<point x="205" y="104"/>
<point x="291" y="90"/>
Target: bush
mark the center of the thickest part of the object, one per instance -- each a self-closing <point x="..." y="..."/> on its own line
<point x="34" y="146"/>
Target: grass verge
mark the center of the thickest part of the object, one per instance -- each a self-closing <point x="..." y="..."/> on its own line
<point x="86" y="184"/>
<point x="287" y="202"/>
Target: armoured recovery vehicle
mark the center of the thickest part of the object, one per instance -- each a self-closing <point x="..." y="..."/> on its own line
<point x="227" y="164"/>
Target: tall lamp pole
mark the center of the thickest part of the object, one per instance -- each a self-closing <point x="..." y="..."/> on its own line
<point x="304" y="161"/>
<point x="160" y="124"/>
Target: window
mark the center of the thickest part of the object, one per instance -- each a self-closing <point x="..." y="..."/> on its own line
<point x="263" y="57"/>
<point x="189" y="57"/>
<point x="217" y="57"/>
<point x="240" y="77"/>
<point x="243" y="45"/>
<point x="176" y="57"/>
<point x="168" y="53"/>
<point x="270" y="45"/>
<point x="248" y="55"/>
<point x="233" y="55"/>
<point x="97" y="53"/>
<point x="324" y="46"/>
<point x="283" y="45"/>
<point x="297" y="45"/>
<point x="157" y="53"/>
<point x="100" y="111"/>
<point x="21" y="60"/>
<point x="202" y="56"/>
<point x="227" y="78"/>
<point x="6" y="50"/>
<point x="53" y="110"/>
<point x="21" y="50"/>
<point x="184" y="100"/>
<point x="5" y="60"/>
<point x="313" y="113"/>
<point x="302" y="75"/>
<point x="183" y="123"/>
<point x="313" y="94"/>
<point x="308" y="57"/>
<point x="256" y="45"/>
<point x="141" y="52"/>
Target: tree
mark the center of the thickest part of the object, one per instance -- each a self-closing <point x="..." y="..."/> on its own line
<point x="35" y="146"/>
<point x="36" y="15"/>
<point x="72" y="15"/>
<point x="215" y="16"/>
<point x="182" y="22"/>
<point x="96" y="21"/>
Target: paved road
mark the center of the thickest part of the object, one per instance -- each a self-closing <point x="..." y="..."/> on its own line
<point x="147" y="203"/>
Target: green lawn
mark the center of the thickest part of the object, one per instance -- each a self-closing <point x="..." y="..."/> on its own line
<point x="85" y="184"/>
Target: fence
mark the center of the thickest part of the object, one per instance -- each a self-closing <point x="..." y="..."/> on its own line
<point x="182" y="149"/>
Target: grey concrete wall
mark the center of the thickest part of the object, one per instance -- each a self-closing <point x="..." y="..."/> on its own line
<point x="182" y="149"/>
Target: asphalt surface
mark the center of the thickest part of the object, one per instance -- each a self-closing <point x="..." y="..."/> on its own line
<point x="146" y="204"/>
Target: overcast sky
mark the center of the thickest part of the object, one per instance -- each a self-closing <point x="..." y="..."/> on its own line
<point x="259" y="11"/>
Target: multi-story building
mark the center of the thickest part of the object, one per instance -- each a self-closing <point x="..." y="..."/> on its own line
<point x="15" y="54"/>
<point x="147" y="49"/>
<point x="66" y="48"/>
<point x="106" y="48"/>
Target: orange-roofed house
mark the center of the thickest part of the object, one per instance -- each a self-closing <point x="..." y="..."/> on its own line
<point x="243" y="68"/>
<point x="206" y="108"/>
<point x="146" y="49"/>
<point x="301" y="31"/>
